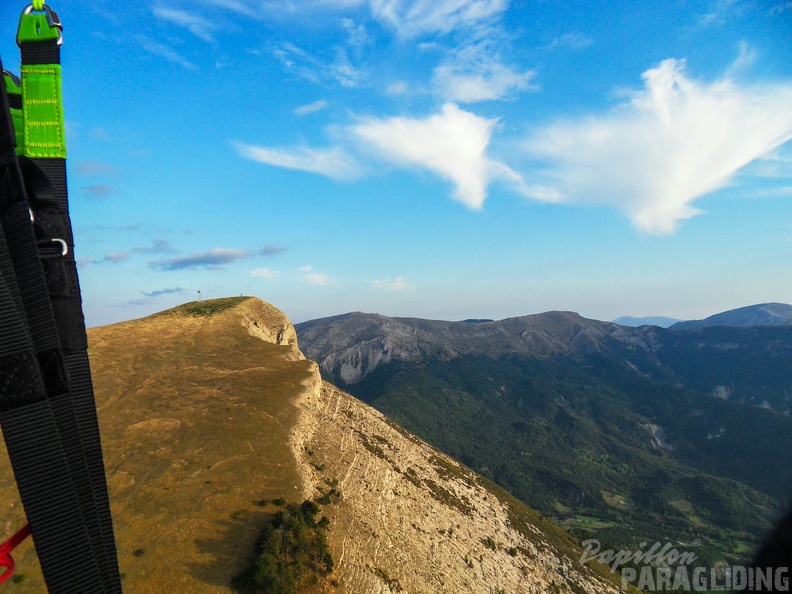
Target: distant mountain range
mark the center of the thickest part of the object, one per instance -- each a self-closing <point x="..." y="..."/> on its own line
<point x="661" y="321"/>
<point x="763" y="314"/>
<point x="630" y="432"/>
<point x="740" y="362"/>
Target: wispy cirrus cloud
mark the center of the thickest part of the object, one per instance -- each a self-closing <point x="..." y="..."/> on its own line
<point x="160" y="292"/>
<point x="271" y="250"/>
<point x="213" y="259"/>
<point x="475" y="73"/>
<point x="158" y="246"/>
<point x="242" y="7"/>
<point x="572" y="41"/>
<point x="312" y="277"/>
<point x="333" y="162"/>
<point x="111" y="258"/>
<point x="777" y="164"/>
<point x="673" y="141"/>
<point x="94" y="168"/>
<point x="412" y="18"/>
<point x="161" y="50"/>
<point x="393" y="285"/>
<point x="313" y="107"/>
<point x="197" y="25"/>
<point x="100" y="191"/>
<point x="778" y="192"/>
<point x="335" y="67"/>
<point x="780" y="8"/>
<point x="266" y="273"/>
<point x="721" y="11"/>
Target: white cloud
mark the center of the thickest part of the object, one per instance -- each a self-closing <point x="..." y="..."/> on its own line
<point x="412" y="18"/>
<point x="394" y="285"/>
<point x="332" y="162"/>
<point x="721" y="11"/>
<point x="318" y="279"/>
<point x="408" y="18"/>
<point x="671" y="143"/>
<point x="311" y="107"/>
<point x="94" y="168"/>
<point x="745" y="59"/>
<point x="291" y="7"/>
<point x="777" y="164"/>
<point x="163" y="51"/>
<point x="336" y="69"/>
<point x="343" y="71"/>
<point x="475" y="74"/>
<point x="780" y="192"/>
<point x="195" y="24"/>
<point x="214" y="259"/>
<point x="781" y="8"/>
<point x="451" y="144"/>
<point x="265" y="273"/>
<point x="239" y="6"/>
<point x="571" y="41"/>
<point x="399" y="87"/>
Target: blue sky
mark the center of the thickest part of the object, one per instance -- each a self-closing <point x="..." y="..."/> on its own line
<point x="443" y="159"/>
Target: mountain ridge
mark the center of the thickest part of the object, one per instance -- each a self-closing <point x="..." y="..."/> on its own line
<point x="762" y="314"/>
<point x="212" y="420"/>
<point x="568" y="412"/>
<point x="351" y="346"/>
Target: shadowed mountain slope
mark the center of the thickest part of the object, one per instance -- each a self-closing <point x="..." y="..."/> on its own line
<point x="212" y="420"/>
<point x="627" y="432"/>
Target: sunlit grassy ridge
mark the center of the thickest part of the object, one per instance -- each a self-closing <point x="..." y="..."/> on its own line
<point x="195" y="415"/>
<point x="204" y="308"/>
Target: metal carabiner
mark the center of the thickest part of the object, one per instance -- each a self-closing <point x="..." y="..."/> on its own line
<point x="53" y="20"/>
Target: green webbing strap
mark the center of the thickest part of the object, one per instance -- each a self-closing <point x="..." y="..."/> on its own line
<point x="43" y="128"/>
<point x="44" y="133"/>
<point x="14" y="90"/>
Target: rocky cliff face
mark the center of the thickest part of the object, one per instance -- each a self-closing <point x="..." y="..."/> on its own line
<point x="411" y="519"/>
<point x="209" y="415"/>
<point x="348" y="348"/>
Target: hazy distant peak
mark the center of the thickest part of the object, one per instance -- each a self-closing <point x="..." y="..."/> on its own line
<point x="635" y="322"/>
<point x="762" y="314"/>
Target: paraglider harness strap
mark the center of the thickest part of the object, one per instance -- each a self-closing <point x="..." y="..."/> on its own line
<point x="47" y="407"/>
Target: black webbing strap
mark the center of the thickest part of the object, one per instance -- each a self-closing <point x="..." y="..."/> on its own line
<point x="47" y="407"/>
<point x="31" y="381"/>
<point x="48" y="193"/>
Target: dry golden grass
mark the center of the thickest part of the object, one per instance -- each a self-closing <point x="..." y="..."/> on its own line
<point x="195" y="415"/>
